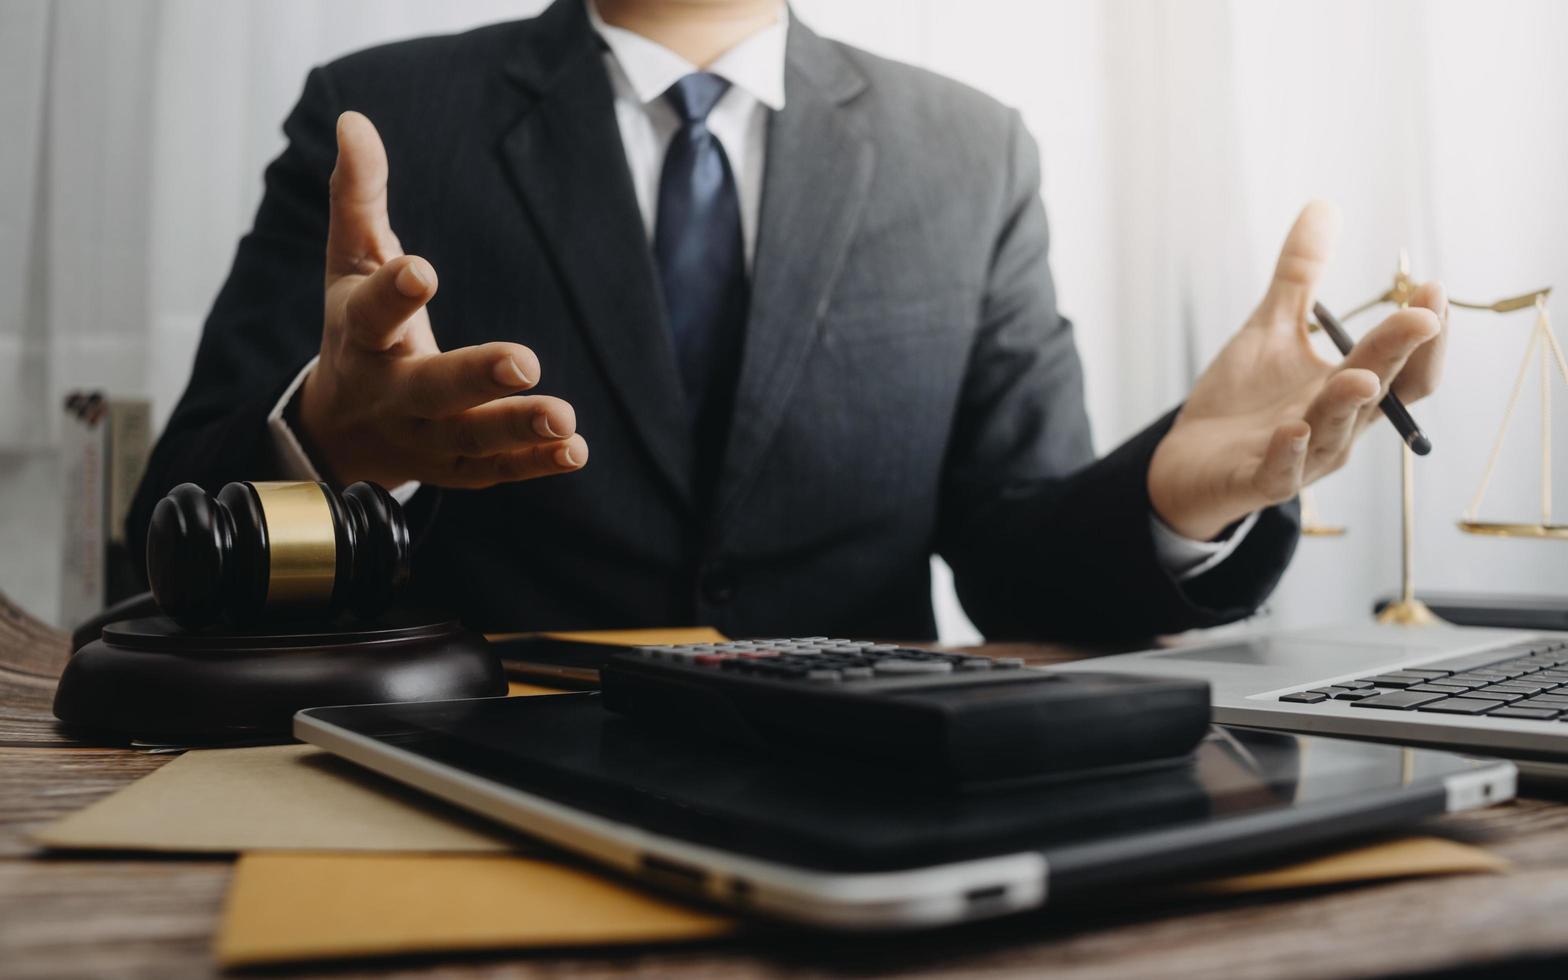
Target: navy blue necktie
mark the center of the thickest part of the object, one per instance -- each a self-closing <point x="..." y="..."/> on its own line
<point x="702" y="268"/>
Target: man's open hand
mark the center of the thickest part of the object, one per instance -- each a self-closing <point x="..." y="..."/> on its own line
<point x="1270" y="416"/>
<point x="384" y="403"/>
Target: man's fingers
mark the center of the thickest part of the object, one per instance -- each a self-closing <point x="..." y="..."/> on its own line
<point x="507" y="425"/>
<point x="1278" y="477"/>
<point x="379" y="304"/>
<point x="1424" y="369"/>
<point x="1387" y="348"/>
<point x="549" y="459"/>
<point x="1302" y="260"/>
<point x="359" y="234"/>
<point x="446" y="384"/>
<point x="1332" y="418"/>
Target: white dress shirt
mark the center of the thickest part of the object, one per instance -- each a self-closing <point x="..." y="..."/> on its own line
<point x="641" y="71"/>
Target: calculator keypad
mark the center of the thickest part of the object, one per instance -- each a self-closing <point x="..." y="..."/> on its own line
<point x="824" y="660"/>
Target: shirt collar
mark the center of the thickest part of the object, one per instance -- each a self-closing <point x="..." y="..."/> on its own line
<point x="755" y="65"/>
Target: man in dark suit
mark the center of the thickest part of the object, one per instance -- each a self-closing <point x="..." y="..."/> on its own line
<point x="797" y="297"/>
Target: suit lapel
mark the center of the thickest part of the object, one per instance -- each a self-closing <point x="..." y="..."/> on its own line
<point x="817" y="172"/>
<point x="566" y="157"/>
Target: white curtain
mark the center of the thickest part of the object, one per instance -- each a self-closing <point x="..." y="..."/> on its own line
<point x="1179" y="137"/>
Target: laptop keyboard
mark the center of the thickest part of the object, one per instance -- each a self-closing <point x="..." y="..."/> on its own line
<point x="1526" y="681"/>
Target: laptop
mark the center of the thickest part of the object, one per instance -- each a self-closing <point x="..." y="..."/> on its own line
<point x="742" y="829"/>
<point x="1483" y="691"/>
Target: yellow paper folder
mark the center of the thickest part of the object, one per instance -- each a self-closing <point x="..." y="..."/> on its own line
<point x="291" y="907"/>
<point x="285" y="907"/>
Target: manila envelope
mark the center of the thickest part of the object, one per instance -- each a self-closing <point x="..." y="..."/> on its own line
<point x="290" y="907"/>
<point x="293" y="797"/>
<point x="287" y="907"/>
<point x="1404" y="857"/>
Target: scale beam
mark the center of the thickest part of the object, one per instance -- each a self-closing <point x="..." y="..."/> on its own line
<point x="1410" y="611"/>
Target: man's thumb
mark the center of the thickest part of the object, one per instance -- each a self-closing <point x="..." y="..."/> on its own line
<point x="359" y="236"/>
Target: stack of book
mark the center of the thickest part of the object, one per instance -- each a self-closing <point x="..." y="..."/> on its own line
<point x="103" y="452"/>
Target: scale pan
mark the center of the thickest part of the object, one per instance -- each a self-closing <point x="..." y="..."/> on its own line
<point x="1501" y="529"/>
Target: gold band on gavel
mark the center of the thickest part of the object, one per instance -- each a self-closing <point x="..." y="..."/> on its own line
<point x="302" y="543"/>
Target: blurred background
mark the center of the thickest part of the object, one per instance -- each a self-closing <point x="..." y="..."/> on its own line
<point x="1179" y="139"/>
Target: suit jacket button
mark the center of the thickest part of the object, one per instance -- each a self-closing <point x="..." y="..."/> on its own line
<point x="718" y="584"/>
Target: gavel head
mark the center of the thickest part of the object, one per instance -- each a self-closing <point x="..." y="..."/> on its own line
<point x="261" y="551"/>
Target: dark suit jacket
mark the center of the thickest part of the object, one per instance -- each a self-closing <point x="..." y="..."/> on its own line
<point x="908" y="384"/>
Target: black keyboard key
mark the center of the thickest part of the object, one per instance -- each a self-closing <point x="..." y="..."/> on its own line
<point x="1551" y="698"/>
<point x="1475" y="678"/>
<point x="1305" y="697"/>
<point x="1330" y="691"/>
<point x="1361" y="695"/>
<point x="1353" y="685"/>
<point x="1496" y="695"/>
<point x="1423" y="672"/>
<point x="1398" y="700"/>
<point x="1440" y="688"/>
<point x="1525" y="714"/>
<point x="1540" y="704"/>
<point x="1395" y="680"/>
<point x="1519" y="687"/>
<point x="1511" y="687"/>
<point x="1460" y="706"/>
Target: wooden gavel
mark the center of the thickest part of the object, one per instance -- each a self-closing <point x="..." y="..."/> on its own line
<point x="276" y="550"/>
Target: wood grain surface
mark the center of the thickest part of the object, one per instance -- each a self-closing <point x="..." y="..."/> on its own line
<point x="132" y="916"/>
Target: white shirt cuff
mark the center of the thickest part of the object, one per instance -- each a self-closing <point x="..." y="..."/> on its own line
<point x="1185" y="558"/>
<point x="293" y="461"/>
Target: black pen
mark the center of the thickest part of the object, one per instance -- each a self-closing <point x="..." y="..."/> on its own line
<point x="1392" y="407"/>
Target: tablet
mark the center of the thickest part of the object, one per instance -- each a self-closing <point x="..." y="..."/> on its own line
<point x="780" y="839"/>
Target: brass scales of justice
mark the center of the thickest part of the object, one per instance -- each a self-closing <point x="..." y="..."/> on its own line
<point x="1542" y="347"/>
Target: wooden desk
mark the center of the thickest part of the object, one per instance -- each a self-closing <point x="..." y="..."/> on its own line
<point x="135" y="915"/>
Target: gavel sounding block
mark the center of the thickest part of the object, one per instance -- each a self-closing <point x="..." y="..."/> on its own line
<point x="153" y="680"/>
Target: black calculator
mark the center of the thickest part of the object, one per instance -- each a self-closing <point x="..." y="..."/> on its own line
<point x="923" y="716"/>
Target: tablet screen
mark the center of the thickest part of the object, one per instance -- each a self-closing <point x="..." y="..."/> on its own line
<point x="568" y="749"/>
